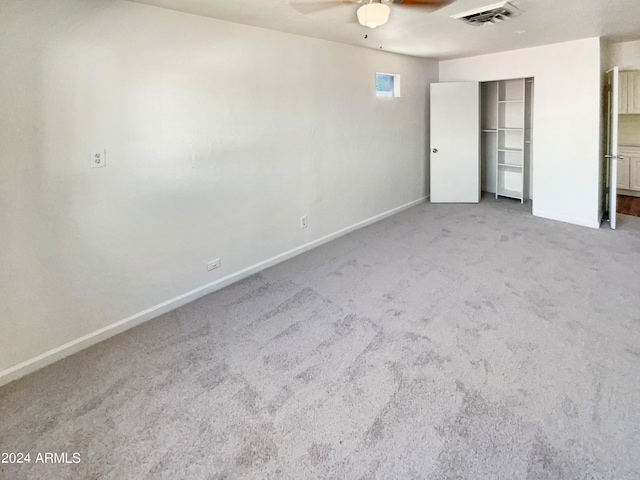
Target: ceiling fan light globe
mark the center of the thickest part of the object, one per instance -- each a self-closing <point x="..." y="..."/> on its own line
<point x="373" y="15"/>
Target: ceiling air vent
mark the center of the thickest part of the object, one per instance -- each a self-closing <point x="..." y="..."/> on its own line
<point x="498" y="12"/>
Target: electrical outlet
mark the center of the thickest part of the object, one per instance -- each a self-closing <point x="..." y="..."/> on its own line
<point x="304" y="221"/>
<point x="98" y="158"/>
<point x="213" y="264"/>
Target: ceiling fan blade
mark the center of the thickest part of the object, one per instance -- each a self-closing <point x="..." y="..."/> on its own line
<point x="312" y="7"/>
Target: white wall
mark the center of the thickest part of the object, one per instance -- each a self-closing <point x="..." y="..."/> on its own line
<point x="625" y="55"/>
<point x="219" y="137"/>
<point x="566" y="143"/>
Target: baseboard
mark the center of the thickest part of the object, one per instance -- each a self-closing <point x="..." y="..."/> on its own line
<point x="561" y="218"/>
<point x="51" y="356"/>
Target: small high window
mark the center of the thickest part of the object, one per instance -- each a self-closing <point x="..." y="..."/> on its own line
<point x="387" y="85"/>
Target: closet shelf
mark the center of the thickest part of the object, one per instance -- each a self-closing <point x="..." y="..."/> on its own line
<point x="510" y="193"/>
<point x="518" y="150"/>
<point x="510" y="165"/>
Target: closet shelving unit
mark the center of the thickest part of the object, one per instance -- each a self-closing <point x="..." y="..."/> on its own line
<point x="513" y="132"/>
<point x="489" y="134"/>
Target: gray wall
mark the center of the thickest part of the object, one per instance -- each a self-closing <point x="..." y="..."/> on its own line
<point x="219" y="137"/>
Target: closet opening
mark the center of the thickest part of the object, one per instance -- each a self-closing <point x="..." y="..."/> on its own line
<point x="506" y="122"/>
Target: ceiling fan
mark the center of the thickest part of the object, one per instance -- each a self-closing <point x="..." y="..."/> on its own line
<point x="371" y="13"/>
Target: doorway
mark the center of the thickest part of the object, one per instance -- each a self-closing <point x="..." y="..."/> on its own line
<point x="620" y="168"/>
<point x="611" y="158"/>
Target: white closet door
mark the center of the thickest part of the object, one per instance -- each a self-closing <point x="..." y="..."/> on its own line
<point x="455" y="142"/>
<point x="612" y="142"/>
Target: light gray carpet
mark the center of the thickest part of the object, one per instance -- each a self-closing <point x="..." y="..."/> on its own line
<point x="445" y="342"/>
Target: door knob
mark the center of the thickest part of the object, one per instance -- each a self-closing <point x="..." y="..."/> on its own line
<point x="435" y="150"/>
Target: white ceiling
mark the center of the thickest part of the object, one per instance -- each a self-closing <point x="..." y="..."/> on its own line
<point x="419" y="32"/>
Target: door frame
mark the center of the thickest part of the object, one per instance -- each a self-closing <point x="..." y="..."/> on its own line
<point x="611" y="97"/>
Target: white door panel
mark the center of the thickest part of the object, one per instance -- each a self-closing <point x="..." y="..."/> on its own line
<point x="455" y="142"/>
<point x="612" y="142"/>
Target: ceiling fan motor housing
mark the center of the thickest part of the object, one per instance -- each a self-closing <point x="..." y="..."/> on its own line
<point x="373" y="14"/>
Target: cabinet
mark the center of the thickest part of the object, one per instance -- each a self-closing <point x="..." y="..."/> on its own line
<point x="629" y="92"/>
<point x="629" y="168"/>
<point x="623" y="173"/>
<point x="634" y="171"/>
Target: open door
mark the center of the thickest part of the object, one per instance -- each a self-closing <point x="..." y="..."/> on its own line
<point x="611" y="156"/>
<point x="455" y="142"/>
